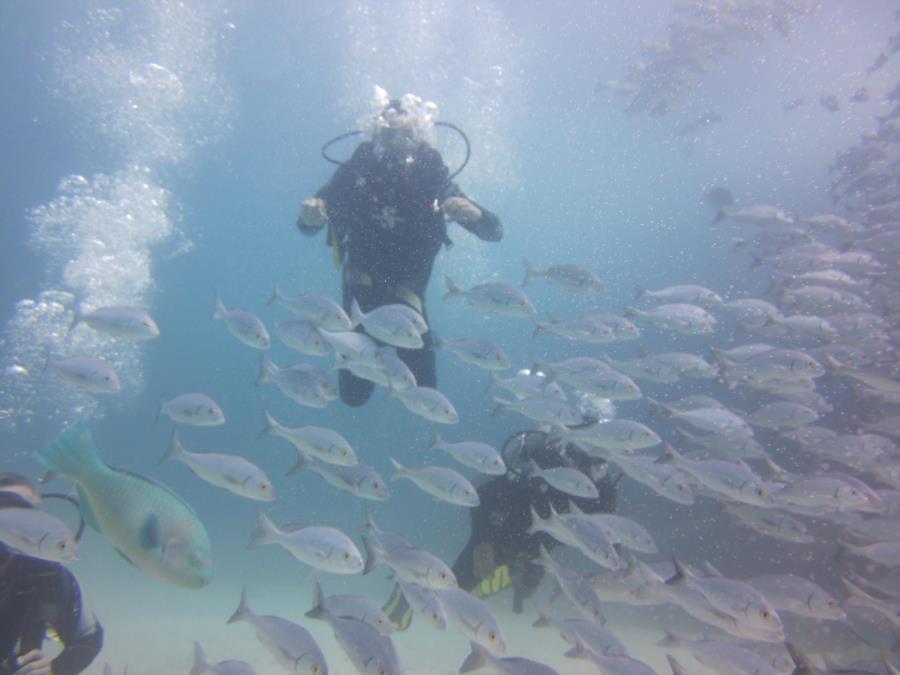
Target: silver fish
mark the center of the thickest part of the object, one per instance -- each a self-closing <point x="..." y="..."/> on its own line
<point x="302" y="336"/>
<point x="195" y="409"/>
<point x="37" y="534"/>
<point x="322" y="443"/>
<point x="687" y="293"/>
<point x="541" y="409"/>
<point x="570" y="277"/>
<point x="410" y="564"/>
<point x="369" y="651"/>
<point x="577" y="588"/>
<point x="128" y="323"/>
<point x="388" y="324"/>
<point x="231" y="472"/>
<point x="293" y="647"/>
<point x="480" y="657"/>
<point x="390" y="372"/>
<point x="473" y="454"/>
<point x="324" y="548"/>
<point x="322" y="311"/>
<point x="424" y="602"/>
<point x="677" y="317"/>
<point x="86" y="372"/>
<point x="790" y="593"/>
<point x="472" y="618"/>
<point x="723" y="657"/>
<point x="428" y="403"/>
<point x="566" y="479"/>
<point x="445" y="484"/>
<point x="479" y="352"/>
<point x="527" y="384"/>
<point x="356" y="607"/>
<point x="359" y="480"/>
<point x="202" y="667"/>
<point x="354" y="346"/>
<point x="243" y="324"/>
<point x="495" y="298"/>
<point x="296" y="382"/>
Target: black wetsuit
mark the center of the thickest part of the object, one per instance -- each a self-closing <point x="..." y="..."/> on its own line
<point x="39" y="594"/>
<point x="503" y="518"/>
<point x="385" y="222"/>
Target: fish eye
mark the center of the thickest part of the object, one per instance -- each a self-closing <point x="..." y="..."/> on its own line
<point x="106" y="378"/>
<point x="442" y="575"/>
<point x="376" y="485"/>
<point x="761" y="492"/>
<point x="492" y="636"/>
<point x="346" y="555"/>
<point x="829" y="602"/>
<point x="766" y="614"/>
<point x="434" y="616"/>
<point x="145" y="324"/>
<point x="61" y="545"/>
<point x="344" y="452"/>
<point x="316" y="669"/>
<point x="212" y="412"/>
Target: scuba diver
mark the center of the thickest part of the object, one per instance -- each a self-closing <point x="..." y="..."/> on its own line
<point x="37" y="596"/>
<point x="500" y="550"/>
<point x="385" y="210"/>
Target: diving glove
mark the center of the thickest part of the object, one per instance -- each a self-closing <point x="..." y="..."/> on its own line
<point x="313" y="216"/>
<point x="460" y="210"/>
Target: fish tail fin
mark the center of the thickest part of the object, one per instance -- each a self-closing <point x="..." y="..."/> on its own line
<point x="681" y="573"/>
<point x="501" y="407"/>
<point x="639" y="293"/>
<point x="266" y="531"/>
<point x="400" y="471"/>
<point x="536" y="521"/>
<point x="356" y="315"/>
<point x="540" y="327"/>
<point x="371" y="554"/>
<point x="200" y="665"/>
<point x="242" y="613"/>
<point x="317" y="611"/>
<point x="175" y="449"/>
<point x="436" y="440"/>
<point x="476" y="659"/>
<point x="720" y="216"/>
<point x="266" y="370"/>
<point x="580" y="650"/>
<point x="220" y="310"/>
<point x="453" y="291"/>
<point x="543" y="612"/>
<point x="77" y="318"/>
<point x="72" y="453"/>
<point x="493" y="382"/>
<point x="800" y="659"/>
<point x="631" y="313"/>
<point x="271" y="427"/>
<point x="530" y="273"/>
<point x="301" y="464"/>
<point x="677" y="668"/>
<point x="277" y="295"/>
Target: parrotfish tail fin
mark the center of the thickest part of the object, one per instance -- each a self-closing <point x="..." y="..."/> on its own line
<point x="318" y="609"/>
<point x="356" y="315"/>
<point x="530" y="273"/>
<point x="639" y="293"/>
<point x="219" y="311"/>
<point x="270" y="428"/>
<point x="242" y="613"/>
<point x="200" y="664"/>
<point x="301" y="464"/>
<point x="677" y="668"/>
<point x="399" y="470"/>
<point x="669" y="641"/>
<point x="277" y="295"/>
<point x="631" y="313"/>
<point x="176" y="449"/>
<point x="681" y="573"/>
<point x="266" y="370"/>
<point x="476" y="659"/>
<point x="265" y="533"/>
<point x="371" y="553"/>
<point x="453" y="291"/>
<point x="72" y="453"/>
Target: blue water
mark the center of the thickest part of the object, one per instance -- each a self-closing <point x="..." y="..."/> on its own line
<point x="231" y="149"/>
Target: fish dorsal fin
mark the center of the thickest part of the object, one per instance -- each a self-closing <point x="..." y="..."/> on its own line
<point x="710" y="570"/>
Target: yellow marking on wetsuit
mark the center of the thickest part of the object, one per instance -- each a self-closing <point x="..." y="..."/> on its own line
<point x="494" y="583"/>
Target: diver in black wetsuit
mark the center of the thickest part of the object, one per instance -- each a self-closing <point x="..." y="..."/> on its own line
<point x="385" y="209"/>
<point x="37" y="595"/>
<point x="500" y="550"/>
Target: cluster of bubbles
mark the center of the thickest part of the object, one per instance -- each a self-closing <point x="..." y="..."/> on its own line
<point x="144" y="83"/>
<point x="699" y="34"/>
<point x="460" y="51"/>
<point x="414" y="123"/>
